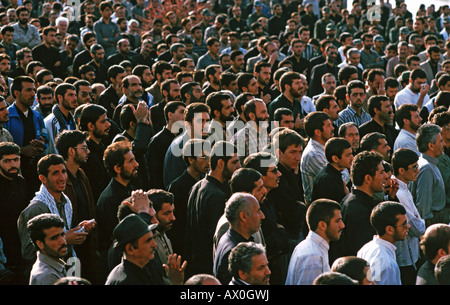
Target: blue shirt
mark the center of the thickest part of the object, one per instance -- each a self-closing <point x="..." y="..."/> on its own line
<point x="206" y="60"/>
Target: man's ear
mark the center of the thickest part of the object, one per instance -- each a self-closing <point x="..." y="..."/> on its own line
<point x="39" y="244"/>
<point x="43" y="179"/>
<point x="117" y="169"/>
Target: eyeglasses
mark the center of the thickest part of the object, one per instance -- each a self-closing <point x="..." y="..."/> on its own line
<point x="203" y="157"/>
<point x="414" y="167"/>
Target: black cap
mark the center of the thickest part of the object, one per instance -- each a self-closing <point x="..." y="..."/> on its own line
<point x="131" y="228"/>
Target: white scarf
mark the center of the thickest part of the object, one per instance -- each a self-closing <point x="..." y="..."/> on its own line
<point x="46" y="198"/>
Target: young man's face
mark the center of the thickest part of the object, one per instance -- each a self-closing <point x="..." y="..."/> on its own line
<point x="379" y="179"/>
<point x="291" y="156"/>
<point x="401" y="228"/>
<point x="5" y="67"/>
<point x="84" y="95"/>
<point x="166" y="217"/>
<point x="346" y="159"/>
<point x="27" y="94"/>
<point x="10" y="166"/>
<point x="101" y="127"/>
<point x="8" y="37"/>
<point x="54" y="244"/>
<point x="129" y="168"/>
<point x="56" y="178"/>
<point x="335" y="226"/>
<point x="81" y="153"/>
<point x="69" y="101"/>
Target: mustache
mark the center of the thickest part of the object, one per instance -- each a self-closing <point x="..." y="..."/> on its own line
<point x="62" y="247"/>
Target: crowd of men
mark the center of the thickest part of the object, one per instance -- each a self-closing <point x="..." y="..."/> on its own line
<point x="228" y="142"/>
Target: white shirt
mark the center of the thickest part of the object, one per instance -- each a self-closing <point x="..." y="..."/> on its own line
<point x="307" y="104"/>
<point x="406" y="96"/>
<point x="380" y="255"/>
<point x="407" y="251"/>
<point x="308" y="261"/>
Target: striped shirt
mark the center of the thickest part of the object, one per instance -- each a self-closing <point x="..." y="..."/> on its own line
<point x="349" y="115"/>
<point x="249" y="140"/>
<point x="312" y="162"/>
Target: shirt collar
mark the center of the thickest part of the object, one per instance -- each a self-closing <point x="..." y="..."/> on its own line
<point x="391" y="247"/>
<point x="319" y="240"/>
<point x="58" y="265"/>
<point x="430" y="159"/>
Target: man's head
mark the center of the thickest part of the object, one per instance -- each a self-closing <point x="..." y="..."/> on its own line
<point x="224" y="160"/>
<point x="52" y="173"/>
<point x="212" y="74"/>
<point x="380" y="108"/>
<point x="44" y="95"/>
<point x="120" y="161"/>
<point x="262" y="72"/>
<point x="266" y="164"/>
<point x="4" y="113"/>
<point x="350" y="132"/>
<point x="328" y="83"/>
<point x="5" y="64"/>
<point x="407" y="117"/>
<point x="97" y="53"/>
<point x="132" y="87"/>
<point x="248" y="180"/>
<point x="291" y="84"/>
<point x="84" y="92"/>
<point x="23" y="15"/>
<point x="213" y="45"/>
<point x="247" y="82"/>
<point x="24" y="90"/>
<point x="289" y="145"/>
<point x="93" y="119"/>
<point x="170" y="89"/>
<point x="435" y="242"/>
<point x="318" y="126"/>
<point x="328" y="104"/>
<point x="71" y="145"/>
<point x="66" y="96"/>
<point x="356" y="93"/>
<point x="135" y="239"/>
<point x="196" y="154"/>
<point x="221" y="106"/>
<point x="283" y="117"/>
<point x="355" y="267"/>
<point x="367" y="171"/>
<point x="47" y="235"/>
<point x="339" y="153"/>
<point x="404" y="164"/>
<point x="243" y="213"/>
<point x="324" y="218"/>
<point x="163" y="202"/>
<point x="248" y="262"/>
<point x="347" y="74"/>
<point x="191" y="92"/>
<point x="9" y="160"/>
<point x="429" y="140"/>
<point x="196" y="116"/>
<point x="87" y="72"/>
<point x="389" y="221"/>
<point x="417" y="78"/>
<point x="376" y="141"/>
